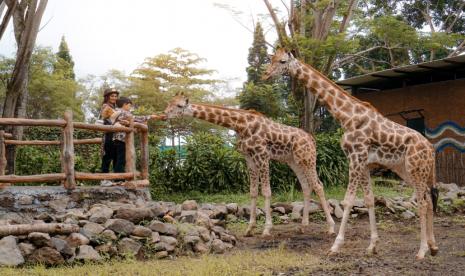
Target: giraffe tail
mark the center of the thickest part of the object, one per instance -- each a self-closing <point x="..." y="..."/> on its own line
<point x="433" y="190"/>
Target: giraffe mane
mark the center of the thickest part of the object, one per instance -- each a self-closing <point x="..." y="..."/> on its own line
<point x="245" y="111"/>
<point x="366" y="104"/>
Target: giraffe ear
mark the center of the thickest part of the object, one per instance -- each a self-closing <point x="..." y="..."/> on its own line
<point x="187" y="101"/>
<point x="291" y="56"/>
<point x="177" y="94"/>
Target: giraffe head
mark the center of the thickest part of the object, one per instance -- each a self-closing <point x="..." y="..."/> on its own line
<point x="178" y="106"/>
<point x="279" y="65"/>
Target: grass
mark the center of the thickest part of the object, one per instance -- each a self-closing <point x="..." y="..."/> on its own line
<point x="389" y="188"/>
<point x="265" y="262"/>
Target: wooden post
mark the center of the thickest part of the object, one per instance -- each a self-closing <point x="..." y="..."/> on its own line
<point x="3" y="157"/>
<point x="2" y="153"/>
<point x="67" y="158"/>
<point x="144" y="152"/>
<point x="130" y="149"/>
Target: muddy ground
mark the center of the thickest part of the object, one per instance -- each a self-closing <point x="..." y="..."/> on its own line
<point x="399" y="242"/>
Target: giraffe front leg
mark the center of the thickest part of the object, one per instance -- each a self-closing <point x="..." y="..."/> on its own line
<point x="253" y="177"/>
<point x="429" y="228"/>
<point x="266" y="191"/>
<point x="422" y="208"/>
<point x="370" y="204"/>
<point x="324" y="204"/>
<point x="355" y="177"/>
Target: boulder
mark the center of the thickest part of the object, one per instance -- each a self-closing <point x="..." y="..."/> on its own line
<point x="129" y="246"/>
<point x="63" y="247"/>
<point x="46" y="255"/>
<point x="218" y="246"/>
<point x="39" y="239"/>
<point x="135" y="215"/>
<point x="10" y="254"/>
<point x="87" y="253"/>
<point x="26" y="248"/>
<point x="92" y="229"/>
<point x="163" y="228"/>
<point x="189" y="205"/>
<point x="141" y="231"/>
<point x="77" y="239"/>
<point x="100" y="213"/>
<point x="121" y="226"/>
<point x="188" y="216"/>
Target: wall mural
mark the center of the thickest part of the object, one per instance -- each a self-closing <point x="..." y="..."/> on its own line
<point x="445" y="142"/>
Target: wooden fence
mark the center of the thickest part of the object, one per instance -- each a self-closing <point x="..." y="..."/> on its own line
<point x="68" y="175"/>
<point x="450" y="167"/>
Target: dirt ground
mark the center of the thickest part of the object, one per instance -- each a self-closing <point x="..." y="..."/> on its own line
<point x="399" y="242"/>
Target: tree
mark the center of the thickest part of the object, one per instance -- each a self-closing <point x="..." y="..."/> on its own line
<point x="258" y="56"/>
<point x="26" y="21"/>
<point x="51" y="88"/>
<point x="159" y="78"/>
<point x="257" y="94"/>
<point x="316" y="35"/>
<point x="65" y="60"/>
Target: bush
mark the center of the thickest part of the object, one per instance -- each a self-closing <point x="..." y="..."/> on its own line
<point x="212" y="166"/>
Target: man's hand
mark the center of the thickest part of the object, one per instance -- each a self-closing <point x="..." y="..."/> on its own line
<point x="161" y="117"/>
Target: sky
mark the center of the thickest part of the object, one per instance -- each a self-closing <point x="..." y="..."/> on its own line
<point x="104" y="35"/>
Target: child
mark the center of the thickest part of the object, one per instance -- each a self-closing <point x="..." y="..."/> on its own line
<point x="121" y="117"/>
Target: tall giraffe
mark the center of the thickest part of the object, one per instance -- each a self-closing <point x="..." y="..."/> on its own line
<point x="371" y="139"/>
<point x="259" y="140"/>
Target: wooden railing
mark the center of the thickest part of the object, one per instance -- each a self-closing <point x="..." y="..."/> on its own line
<point x="68" y="175"/>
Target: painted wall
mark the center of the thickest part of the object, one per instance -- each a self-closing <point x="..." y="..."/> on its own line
<point x="444" y="111"/>
<point x="443" y="104"/>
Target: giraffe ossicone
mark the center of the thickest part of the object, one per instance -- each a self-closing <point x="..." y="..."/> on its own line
<point x="260" y="140"/>
<point x="370" y="138"/>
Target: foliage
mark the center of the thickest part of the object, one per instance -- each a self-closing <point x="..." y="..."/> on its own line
<point x="51" y="90"/>
<point x="213" y="166"/>
<point x="46" y="159"/>
<point x="256" y="94"/>
<point x="332" y="164"/>
<point x="263" y="98"/>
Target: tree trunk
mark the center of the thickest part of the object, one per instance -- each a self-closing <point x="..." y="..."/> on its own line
<point x="26" y="22"/>
<point x="51" y="228"/>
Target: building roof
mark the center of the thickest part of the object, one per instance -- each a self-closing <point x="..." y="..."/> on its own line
<point x="438" y="70"/>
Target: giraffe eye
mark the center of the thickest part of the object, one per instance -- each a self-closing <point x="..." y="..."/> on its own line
<point x="282" y="61"/>
<point x="179" y="105"/>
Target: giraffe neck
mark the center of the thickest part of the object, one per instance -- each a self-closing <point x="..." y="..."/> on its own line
<point x="226" y="117"/>
<point x="340" y="104"/>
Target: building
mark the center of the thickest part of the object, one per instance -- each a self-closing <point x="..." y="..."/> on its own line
<point x="428" y="97"/>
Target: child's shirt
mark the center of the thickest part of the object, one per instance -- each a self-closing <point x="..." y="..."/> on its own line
<point x="119" y="117"/>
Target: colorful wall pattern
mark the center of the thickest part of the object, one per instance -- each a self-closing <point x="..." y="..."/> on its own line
<point x="456" y="141"/>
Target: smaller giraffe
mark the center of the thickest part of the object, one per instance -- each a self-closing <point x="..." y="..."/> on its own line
<point x="259" y="140"/>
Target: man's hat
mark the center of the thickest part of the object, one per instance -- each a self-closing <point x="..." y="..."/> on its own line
<point x="109" y="91"/>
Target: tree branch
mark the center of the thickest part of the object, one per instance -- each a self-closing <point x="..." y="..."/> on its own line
<point x="457" y="15"/>
<point x="282" y="36"/>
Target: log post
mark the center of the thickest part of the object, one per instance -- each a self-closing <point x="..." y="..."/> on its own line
<point x="51" y="228"/>
<point x="3" y="157"/>
<point x="67" y="158"/>
<point x="2" y="153"/>
<point x="130" y="149"/>
<point x="144" y="152"/>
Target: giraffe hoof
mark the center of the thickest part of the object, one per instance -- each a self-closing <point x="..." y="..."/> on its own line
<point x="371" y="251"/>
<point x="248" y="233"/>
<point x="419" y="257"/>
<point x="434" y="251"/>
<point x="331" y="233"/>
<point x="331" y="253"/>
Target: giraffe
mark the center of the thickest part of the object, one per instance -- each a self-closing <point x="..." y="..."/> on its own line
<point x="259" y="140"/>
<point x="371" y="139"/>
